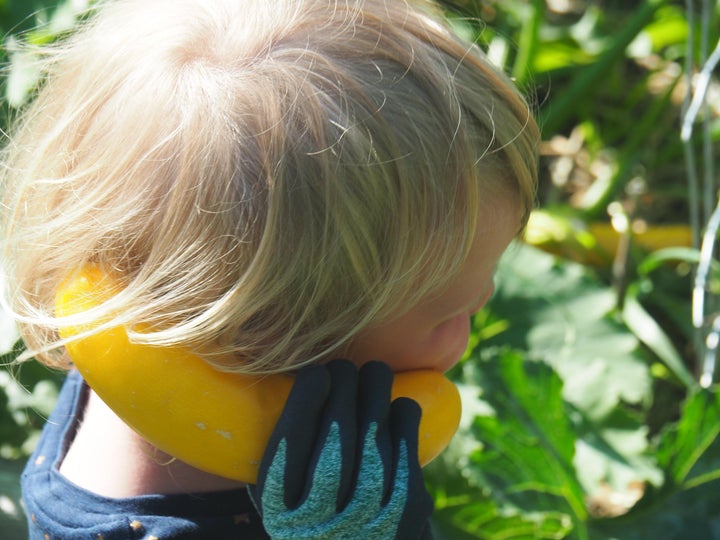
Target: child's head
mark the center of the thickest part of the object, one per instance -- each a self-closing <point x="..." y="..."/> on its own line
<point x="269" y="177"/>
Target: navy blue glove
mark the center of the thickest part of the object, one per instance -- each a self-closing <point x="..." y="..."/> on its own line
<point x="342" y="461"/>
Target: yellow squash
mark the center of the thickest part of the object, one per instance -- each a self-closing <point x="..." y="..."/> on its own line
<point x="215" y="421"/>
<point x="597" y="243"/>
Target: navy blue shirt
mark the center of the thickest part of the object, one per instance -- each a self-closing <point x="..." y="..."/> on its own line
<point x="58" y="509"/>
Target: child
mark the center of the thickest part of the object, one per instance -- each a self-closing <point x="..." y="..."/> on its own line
<point x="281" y="181"/>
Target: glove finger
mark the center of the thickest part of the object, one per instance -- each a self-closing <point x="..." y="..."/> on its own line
<point x="335" y="460"/>
<point x="404" y="420"/>
<point x="427" y="533"/>
<point x="298" y="427"/>
<point x="374" y="476"/>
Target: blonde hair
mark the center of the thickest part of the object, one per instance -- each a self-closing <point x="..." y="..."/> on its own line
<point x="268" y="177"/>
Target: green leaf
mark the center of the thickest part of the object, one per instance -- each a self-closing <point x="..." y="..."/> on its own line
<point x="483" y="519"/>
<point x="650" y="332"/>
<point x="25" y="72"/>
<point x="24" y="76"/>
<point x="669" y="28"/>
<point x="529" y="445"/>
<point x="672" y="254"/>
<point x="27" y="396"/>
<point x="614" y="456"/>
<point x="684" y="450"/>
<point x="590" y="78"/>
<point x="12" y="518"/>
<point x="558" y="312"/>
<point x="687" y="505"/>
<point x="553" y="56"/>
<point x="508" y="474"/>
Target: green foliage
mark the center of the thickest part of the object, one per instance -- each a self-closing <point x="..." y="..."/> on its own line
<point x="27" y="395"/>
<point x="37" y="23"/>
<point x="12" y="519"/>
<point x="27" y="392"/>
<point x="555" y="441"/>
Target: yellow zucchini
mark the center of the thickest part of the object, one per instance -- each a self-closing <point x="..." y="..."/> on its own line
<point x="218" y="422"/>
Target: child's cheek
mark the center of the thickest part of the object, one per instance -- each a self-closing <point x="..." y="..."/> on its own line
<point x="448" y="342"/>
<point x="439" y="349"/>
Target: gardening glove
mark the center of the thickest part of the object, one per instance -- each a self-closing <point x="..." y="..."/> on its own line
<point x="342" y="461"/>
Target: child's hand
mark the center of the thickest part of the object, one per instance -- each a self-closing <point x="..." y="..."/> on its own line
<point x="342" y="462"/>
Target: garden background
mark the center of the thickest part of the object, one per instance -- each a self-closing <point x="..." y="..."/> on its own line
<point x="590" y="404"/>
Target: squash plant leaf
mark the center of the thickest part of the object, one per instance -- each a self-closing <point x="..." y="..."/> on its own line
<point x="686" y="505"/>
<point x="559" y="312"/>
<point x="690" y="451"/>
<point x="529" y="442"/>
<point x="555" y="394"/>
<point x="509" y="472"/>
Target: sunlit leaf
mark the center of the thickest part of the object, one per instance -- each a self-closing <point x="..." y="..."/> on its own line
<point x="669" y="28"/>
<point x="684" y="452"/>
<point x="509" y="473"/>
<point x="24" y="76"/>
<point x="529" y="444"/>
<point x="687" y="505"/>
<point x="554" y="56"/>
<point x="559" y="313"/>
<point x="649" y="331"/>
